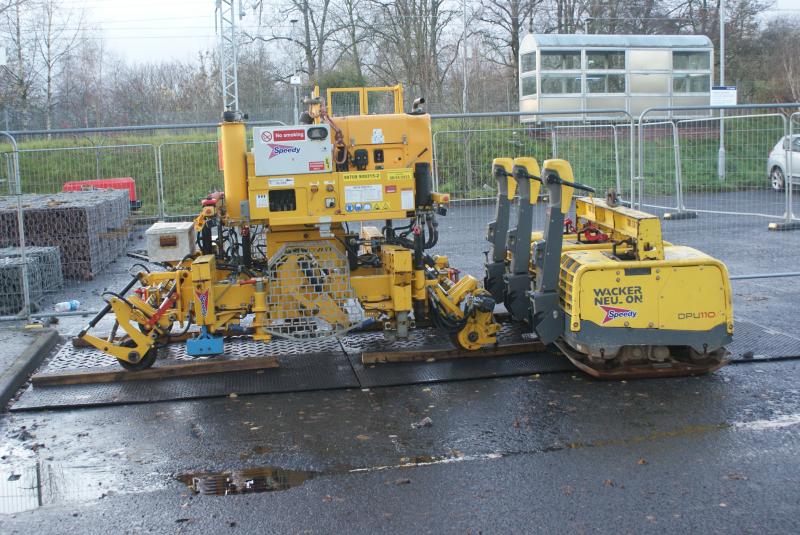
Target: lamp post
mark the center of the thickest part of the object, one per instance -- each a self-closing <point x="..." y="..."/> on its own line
<point x="295" y="81"/>
<point x="721" y="156"/>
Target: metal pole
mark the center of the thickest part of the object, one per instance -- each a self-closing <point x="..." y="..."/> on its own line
<point x="721" y="156"/>
<point x="464" y="39"/>
<point x="296" y="106"/>
<point x="26" y="294"/>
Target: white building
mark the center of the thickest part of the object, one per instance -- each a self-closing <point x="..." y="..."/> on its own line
<point x="632" y="72"/>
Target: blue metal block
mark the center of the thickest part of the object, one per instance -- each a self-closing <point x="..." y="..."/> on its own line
<point x="205" y="344"/>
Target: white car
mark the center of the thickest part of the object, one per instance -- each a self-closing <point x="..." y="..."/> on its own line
<point x="777" y="166"/>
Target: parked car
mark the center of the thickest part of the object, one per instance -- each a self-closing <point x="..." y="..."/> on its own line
<point x="777" y="166"/>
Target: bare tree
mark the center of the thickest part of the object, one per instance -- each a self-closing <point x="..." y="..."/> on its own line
<point x="502" y="25"/>
<point x="56" y="37"/>
<point x="412" y="44"/>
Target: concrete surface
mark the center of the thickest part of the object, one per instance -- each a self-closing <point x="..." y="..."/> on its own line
<point x="21" y="352"/>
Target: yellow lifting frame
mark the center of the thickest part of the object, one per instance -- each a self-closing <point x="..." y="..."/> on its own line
<point x="624" y="223"/>
<point x="363" y="97"/>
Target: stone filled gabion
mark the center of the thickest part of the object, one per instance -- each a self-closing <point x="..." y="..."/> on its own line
<point x="90" y="228"/>
<point x="12" y="286"/>
<point x="49" y="263"/>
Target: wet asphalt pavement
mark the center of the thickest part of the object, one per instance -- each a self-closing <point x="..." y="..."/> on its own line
<point x="556" y="453"/>
<point x="553" y="454"/>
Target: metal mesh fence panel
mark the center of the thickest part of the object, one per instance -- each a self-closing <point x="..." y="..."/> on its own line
<point x="791" y="177"/>
<point x="599" y="155"/>
<point x="744" y="187"/>
<point x="189" y="171"/>
<point x="46" y="170"/>
<point x="722" y="206"/>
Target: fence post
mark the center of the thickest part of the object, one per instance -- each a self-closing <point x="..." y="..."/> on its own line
<point x="616" y="159"/>
<point x="682" y="212"/>
<point x="789" y="222"/>
<point x="159" y="182"/>
<point x="26" y="296"/>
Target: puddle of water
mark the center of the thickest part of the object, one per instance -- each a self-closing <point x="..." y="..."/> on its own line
<point x="42" y="483"/>
<point x="265" y="479"/>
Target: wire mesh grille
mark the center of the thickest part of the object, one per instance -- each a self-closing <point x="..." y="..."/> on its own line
<point x="309" y="293"/>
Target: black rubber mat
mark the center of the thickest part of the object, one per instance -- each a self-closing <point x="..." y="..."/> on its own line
<point x="325" y="364"/>
<point x="295" y="373"/>
<point x="756" y="342"/>
<point x="406" y="373"/>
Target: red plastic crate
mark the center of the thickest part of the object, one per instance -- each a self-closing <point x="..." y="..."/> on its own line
<point x="106" y="183"/>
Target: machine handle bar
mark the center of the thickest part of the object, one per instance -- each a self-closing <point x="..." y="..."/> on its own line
<point x="554" y="179"/>
<point x="106" y="308"/>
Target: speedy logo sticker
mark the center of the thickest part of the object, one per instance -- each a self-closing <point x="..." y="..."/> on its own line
<point x="613" y="313"/>
<point x="277" y="150"/>
<point x="203" y="298"/>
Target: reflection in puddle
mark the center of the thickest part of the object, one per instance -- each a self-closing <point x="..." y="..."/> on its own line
<point x="265" y="479"/>
<point x="45" y="483"/>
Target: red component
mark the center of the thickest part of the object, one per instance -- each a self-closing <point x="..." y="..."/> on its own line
<point x="453" y="274"/>
<point x="569" y="226"/>
<point x="593" y="235"/>
<point x="416" y="230"/>
<point x="166" y="305"/>
<point x="126" y="183"/>
<point x="208" y="202"/>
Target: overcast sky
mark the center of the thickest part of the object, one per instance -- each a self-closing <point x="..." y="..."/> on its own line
<point x="143" y="30"/>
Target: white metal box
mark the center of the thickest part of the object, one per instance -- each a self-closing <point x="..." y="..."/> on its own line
<point x="170" y="242"/>
<point x="292" y="150"/>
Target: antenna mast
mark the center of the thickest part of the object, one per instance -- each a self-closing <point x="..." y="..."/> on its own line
<point x="228" y="53"/>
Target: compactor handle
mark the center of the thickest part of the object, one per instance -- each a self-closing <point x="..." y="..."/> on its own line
<point x="552" y="178"/>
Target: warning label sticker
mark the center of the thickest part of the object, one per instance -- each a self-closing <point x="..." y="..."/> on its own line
<point x="262" y="200"/>
<point x="316" y="166"/>
<point x="289" y="135"/>
<point x="407" y="199"/>
<point x="399" y="174"/>
<point x="365" y="193"/>
<point x="281" y="182"/>
<point x="361" y="175"/>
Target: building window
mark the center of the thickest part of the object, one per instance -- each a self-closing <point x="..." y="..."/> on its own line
<point x="558" y="84"/>
<point x="561" y="61"/>
<point x="691" y="83"/>
<point x="649" y="83"/>
<point x="528" y="86"/>
<point x="605" y="60"/>
<point x="528" y="62"/>
<point x="691" y="61"/>
<point x="605" y="83"/>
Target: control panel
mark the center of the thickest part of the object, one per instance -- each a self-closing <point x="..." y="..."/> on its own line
<point x="350" y="196"/>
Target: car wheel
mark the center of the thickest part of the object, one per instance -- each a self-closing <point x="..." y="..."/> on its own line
<point x="776" y="179"/>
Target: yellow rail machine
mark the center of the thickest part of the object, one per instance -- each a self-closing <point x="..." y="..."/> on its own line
<point x="292" y="249"/>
